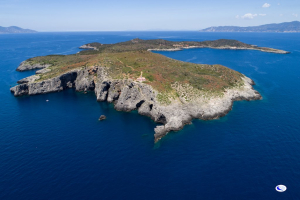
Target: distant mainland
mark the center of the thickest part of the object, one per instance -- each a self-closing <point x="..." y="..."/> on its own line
<point x="288" y="27"/>
<point x="285" y="27"/>
<point x="14" y="29"/>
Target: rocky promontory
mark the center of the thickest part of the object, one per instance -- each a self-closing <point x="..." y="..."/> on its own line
<point x="170" y="92"/>
<point x="88" y="46"/>
<point x="25" y="66"/>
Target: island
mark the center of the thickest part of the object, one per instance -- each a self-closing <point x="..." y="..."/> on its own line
<point x="285" y="27"/>
<point x="165" y="45"/>
<point x="132" y="77"/>
<point x="15" y="29"/>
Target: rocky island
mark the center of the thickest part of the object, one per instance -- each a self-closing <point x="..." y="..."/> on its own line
<point x="130" y="76"/>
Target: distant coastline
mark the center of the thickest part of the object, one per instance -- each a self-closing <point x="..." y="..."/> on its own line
<point x="286" y="27"/>
<point x="15" y="29"/>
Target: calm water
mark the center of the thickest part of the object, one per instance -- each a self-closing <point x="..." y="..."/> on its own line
<point x="59" y="149"/>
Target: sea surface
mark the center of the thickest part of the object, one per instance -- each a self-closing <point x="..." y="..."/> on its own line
<point x="59" y="150"/>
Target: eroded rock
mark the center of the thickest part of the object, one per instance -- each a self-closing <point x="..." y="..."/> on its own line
<point x="128" y="95"/>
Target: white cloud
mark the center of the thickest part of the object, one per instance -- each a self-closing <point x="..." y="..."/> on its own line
<point x="266" y="5"/>
<point x="295" y="15"/>
<point x="281" y="15"/>
<point x="237" y="16"/>
<point x="249" y="16"/>
<point x="262" y="15"/>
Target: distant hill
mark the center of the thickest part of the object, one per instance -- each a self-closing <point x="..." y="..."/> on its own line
<point x="15" y="29"/>
<point x="282" y="27"/>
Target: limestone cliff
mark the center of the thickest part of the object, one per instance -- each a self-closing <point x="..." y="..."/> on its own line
<point x="128" y="95"/>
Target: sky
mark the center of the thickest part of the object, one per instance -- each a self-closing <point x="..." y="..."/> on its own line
<point x="130" y="15"/>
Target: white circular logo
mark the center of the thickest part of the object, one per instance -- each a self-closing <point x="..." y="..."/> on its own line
<point x="280" y="188"/>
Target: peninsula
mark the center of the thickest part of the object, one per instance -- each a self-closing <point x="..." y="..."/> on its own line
<point x="130" y="76"/>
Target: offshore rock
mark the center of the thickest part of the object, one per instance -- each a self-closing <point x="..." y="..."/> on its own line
<point x="102" y="117"/>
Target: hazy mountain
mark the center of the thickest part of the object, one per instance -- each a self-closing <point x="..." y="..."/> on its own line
<point x="282" y="27"/>
<point x="15" y="29"/>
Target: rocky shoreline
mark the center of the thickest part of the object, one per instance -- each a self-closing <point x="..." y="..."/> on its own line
<point x="128" y="95"/>
<point x="268" y="50"/>
<point x="165" y="45"/>
<point x="87" y="46"/>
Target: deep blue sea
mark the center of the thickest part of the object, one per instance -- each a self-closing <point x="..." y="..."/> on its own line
<point x="59" y="149"/>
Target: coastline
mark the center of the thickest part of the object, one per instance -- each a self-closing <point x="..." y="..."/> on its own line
<point x="268" y="50"/>
<point x="165" y="45"/>
<point x="175" y="96"/>
<point x="128" y="95"/>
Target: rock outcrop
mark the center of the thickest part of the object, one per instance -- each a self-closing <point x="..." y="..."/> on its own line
<point x="28" y="79"/>
<point x="25" y="66"/>
<point x="128" y="95"/>
<point x="102" y="117"/>
<point x="43" y="71"/>
<point x="87" y="46"/>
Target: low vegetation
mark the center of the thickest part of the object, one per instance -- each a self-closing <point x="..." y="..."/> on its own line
<point x="127" y="60"/>
<point x="138" y="45"/>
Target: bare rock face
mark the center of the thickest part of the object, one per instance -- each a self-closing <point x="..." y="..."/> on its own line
<point x="25" y="66"/>
<point x="128" y="95"/>
<point x="114" y="91"/>
<point x="101" y="91"/>
<point x="87" y="46"/>
<point x="56" y="84"/>
<point x="84" y="82"/>
<point x="20" y="90"/>
<point x="28" y="79"/>
<point x="43" y="71"/>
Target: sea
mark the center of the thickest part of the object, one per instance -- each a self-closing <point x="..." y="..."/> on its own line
<point x="58" y="149"/>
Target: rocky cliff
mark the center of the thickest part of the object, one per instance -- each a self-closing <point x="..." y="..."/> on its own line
<point x="128" y="95"/>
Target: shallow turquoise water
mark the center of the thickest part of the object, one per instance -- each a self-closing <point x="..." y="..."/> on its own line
<point x="59" y="149"/>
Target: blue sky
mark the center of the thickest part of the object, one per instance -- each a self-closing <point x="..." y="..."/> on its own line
<point x="119" y="15"/>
